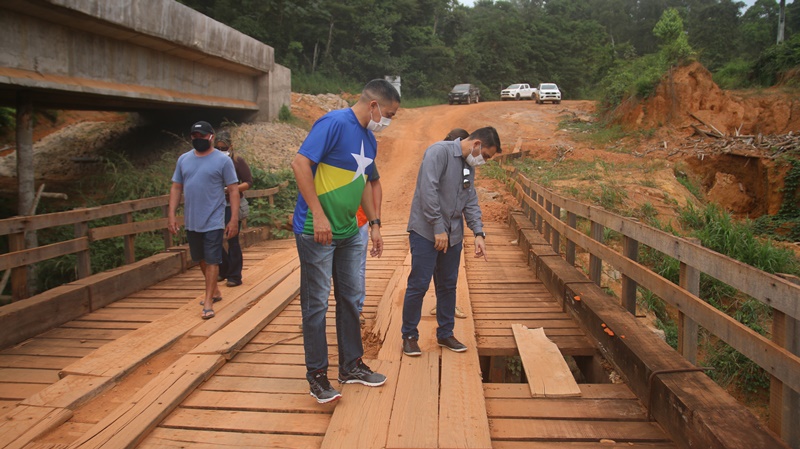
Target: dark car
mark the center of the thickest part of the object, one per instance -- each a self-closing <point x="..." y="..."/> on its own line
<point x="464" y="93"/>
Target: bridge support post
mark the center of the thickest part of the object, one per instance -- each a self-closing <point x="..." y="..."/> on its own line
<point x="22" y="277"/>
<point x="687" y="328"/>
<point x="572" y="222"/>
<point x="630" y="249"/>
<point x="595" y="263"/>
<point x="784" y="403"/>
<point x="556" y="242"/>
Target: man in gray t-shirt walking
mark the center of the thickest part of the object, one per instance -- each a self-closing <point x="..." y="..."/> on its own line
<point x="201" y="175"/>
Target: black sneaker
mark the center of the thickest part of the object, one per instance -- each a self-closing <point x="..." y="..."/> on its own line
<point x="410" y="346"/>
<point x="452" y="344"/>
<point x="361" y="374"/>
<point x="321" y="389"/>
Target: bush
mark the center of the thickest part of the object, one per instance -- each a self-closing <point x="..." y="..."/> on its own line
<point x="777" y="60"/>
<point x="734" y="75"/>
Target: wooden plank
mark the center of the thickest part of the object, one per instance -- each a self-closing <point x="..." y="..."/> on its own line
<point x="415" y="412"/>
<point x="255" y="401"/>
<point x="233" y="337"/>
<point x="136" y="227"/>
<point x="23" y="424"/>
<point x="267" y="277"/>
<point x="168" y="438"/>
<point x="360" y="418"/>
<point x="35" y="362"/>
<point x="19" y="391"/>
<point x="17" y="375"/>
<point x="129" y="423"/>
<point x="70" y="392"/>
<point x="588" y="391"/>
<point x="30" y="256"/>
<point x="558" y="429"/>
<point x="242" y="421"/>
<point x="593" y="409"/>
<point x="257" y="385"/>
<point x="462" y="409"/>
<point x="547" y="371"/>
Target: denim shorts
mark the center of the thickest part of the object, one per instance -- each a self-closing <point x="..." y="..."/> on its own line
<point x="206" y="246"/>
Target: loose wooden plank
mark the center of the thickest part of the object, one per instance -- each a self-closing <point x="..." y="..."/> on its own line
<point x="360" y="418"/>
<point x="547" y="371"/>
<point x="129" y="423"/>
<point x="415" y="414"/>
<point x="167" y="438"/>
<point x="462" y="410"/>
<point x="23" y="424"/>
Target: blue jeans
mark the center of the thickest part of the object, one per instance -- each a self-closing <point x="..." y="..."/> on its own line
<point x="426" y="261"/>
<point x="318" y="263"/>
<point x="231" y="266"/>
<point x="363" y="232"/>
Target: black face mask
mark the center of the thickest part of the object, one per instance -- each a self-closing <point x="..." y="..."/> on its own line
<point x="201" y="145"/>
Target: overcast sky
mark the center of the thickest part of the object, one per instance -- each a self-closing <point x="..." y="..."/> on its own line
<point x="472" y="2"/>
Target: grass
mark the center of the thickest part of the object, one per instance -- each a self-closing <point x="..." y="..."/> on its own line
<point x="410" y="103"/>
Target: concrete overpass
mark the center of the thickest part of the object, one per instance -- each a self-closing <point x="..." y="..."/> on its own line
<point x="143" y="55"/>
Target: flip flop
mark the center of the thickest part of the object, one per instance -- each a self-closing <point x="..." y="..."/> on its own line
<point x="207" y="314"/>
<point x="213" y="300"/>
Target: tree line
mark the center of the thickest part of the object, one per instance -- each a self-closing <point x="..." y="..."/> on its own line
<point x="434" y="44"/>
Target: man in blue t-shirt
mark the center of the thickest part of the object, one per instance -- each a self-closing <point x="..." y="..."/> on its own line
<point x="331" y="169"/>
<point x="201" y="175"/>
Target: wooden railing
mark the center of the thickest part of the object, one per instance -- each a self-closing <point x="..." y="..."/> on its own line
<point x="19" y="257"/>
<point x="556" y="217"/>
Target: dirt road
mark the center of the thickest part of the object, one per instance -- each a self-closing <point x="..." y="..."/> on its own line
<point x="401" y="146"/>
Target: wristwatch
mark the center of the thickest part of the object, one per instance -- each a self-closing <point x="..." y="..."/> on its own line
<point x="376" y="221"/>
<point x="480" y="234"/>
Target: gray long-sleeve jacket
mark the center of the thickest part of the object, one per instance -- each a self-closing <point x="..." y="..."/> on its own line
<point x="440" y="199"/>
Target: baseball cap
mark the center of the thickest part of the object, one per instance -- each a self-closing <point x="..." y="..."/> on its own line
<point x="202" y="127"/>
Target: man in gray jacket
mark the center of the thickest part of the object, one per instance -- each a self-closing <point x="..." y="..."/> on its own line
<point x="444" y="196"/>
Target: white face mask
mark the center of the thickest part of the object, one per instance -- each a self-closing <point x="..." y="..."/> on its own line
<point x="376" y="126"/>
<point x="475" y="161"/>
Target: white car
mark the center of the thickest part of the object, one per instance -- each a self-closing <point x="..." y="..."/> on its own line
<point x="517" y="92"/>
<point x="548" y="92"/>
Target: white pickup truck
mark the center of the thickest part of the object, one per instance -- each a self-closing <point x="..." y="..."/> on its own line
<point x="548" y="92"/>
<point x="518" y="92"/>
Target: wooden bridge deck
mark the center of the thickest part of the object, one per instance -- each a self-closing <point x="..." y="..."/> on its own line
<point x="226" y="385"/>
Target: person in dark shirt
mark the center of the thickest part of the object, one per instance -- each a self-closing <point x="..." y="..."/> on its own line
<point x="232" y="262"/>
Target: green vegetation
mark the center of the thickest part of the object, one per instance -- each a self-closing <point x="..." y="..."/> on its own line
<point x="285" y="116"/>
<point x="693" y="187"/>
<point x="336" y="47"/>
<point x="786" y="224"/>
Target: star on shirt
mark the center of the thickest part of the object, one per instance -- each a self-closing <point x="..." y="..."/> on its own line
<point x="362" y="161"/>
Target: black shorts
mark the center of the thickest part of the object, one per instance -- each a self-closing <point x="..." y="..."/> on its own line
<point x="206" y="246"/>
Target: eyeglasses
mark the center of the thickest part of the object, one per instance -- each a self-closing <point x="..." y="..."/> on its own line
<point x="465" y="182"/>
<point x="223" y="148"/>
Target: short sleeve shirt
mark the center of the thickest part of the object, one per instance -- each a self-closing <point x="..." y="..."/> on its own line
<point x="343" y="152"/>
<point x="204" y="180"/>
